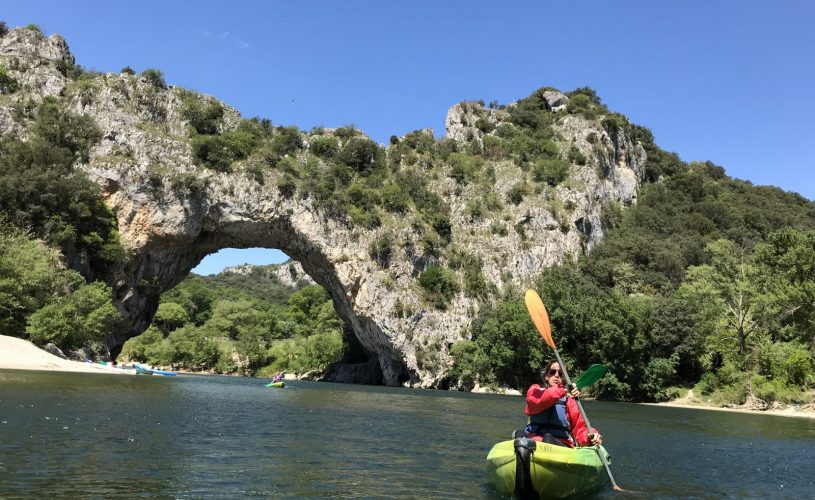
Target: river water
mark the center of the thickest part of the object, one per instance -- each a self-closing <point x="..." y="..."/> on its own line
<point x="112" y="436"/>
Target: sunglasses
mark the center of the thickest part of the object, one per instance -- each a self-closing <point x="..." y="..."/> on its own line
<point x="552" y="372"/>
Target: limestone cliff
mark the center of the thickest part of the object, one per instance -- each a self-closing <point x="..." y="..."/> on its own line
<point x="172" y="211"/>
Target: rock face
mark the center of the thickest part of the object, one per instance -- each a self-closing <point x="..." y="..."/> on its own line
<point x="171" y="213"/>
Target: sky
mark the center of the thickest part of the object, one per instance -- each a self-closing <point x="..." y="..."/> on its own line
<point x="729" y="81"/>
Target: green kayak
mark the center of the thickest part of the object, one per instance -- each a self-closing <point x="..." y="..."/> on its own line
<point x="276" y="384"/>
<point x="553" y="471"/>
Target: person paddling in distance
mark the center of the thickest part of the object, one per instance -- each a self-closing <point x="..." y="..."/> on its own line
<point x="553" y="413"/>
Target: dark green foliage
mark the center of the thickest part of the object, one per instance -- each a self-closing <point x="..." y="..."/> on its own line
<point x="325" y="147"/>
<point x="505" y="349"/>
<point x="204" y="118"/>
<point x="576" y="157"/>
<point x="83" y="317"/>
<point x="127" y="70"/>
<point x="3" y="29"/>
<point x="7" y="83"/>
<point x="346" y="132"/>
<point x="286" y="186"/>
<point x="441" y="285"/>
<point x="381" y="249"/>
<point x="419" y="141"/>
<point x="40" y="189"/>
<point x="186" y="185"/>
<point x="580" y="104"/>
<point x="517" y="192"/>
<point x="248" y="314"/>
<point x="31" y="276"/>
<point x="154" y="77"/>
<point x="286" y="141"/>
<point x="465" y="168"/>
<point x="218" y="152"/>
<point x="673" y="221"/>
<point x="75" y="133"/>
<point x="552" y="172"/>
<point x="362" y="155"/>
<point x="394" y="198"/>
<point x="475" y="284"/>
<point x="484" y="125"/>
<point x="588" y="92"/>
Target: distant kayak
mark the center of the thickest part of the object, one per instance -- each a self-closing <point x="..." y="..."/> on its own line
<point x="113" y="368"/>
<point x="279" y="384"/>
<point x="149" y="370"/>
<point x="547" y="470"/>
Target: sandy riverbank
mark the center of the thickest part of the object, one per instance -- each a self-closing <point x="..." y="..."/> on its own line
<point x="19" y="354"/>
<point x="690" y="401"/>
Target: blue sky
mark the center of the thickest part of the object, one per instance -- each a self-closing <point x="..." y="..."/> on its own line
<point x="730" y="81"/>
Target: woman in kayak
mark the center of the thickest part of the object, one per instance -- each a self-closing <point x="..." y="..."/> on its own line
<point x="553" y="413"/>
<point x="277" y="377"/>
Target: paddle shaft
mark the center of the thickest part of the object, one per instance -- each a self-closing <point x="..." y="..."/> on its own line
<point x="586" y="420"/>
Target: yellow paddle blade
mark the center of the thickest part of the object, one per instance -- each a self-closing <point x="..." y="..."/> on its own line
<point x="540" y="318"/>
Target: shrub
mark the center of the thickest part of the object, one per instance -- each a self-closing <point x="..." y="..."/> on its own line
<point x="218" y="152"/>
<point x="286" y="186"/>
<point x="325" y="146"/>
<point x="394" y="199"/>
<point x="7" y="83"/>
<point x="204" y="119"/>
<point x="141" y="347"/>
<point x="286" y="141"/>
<point x="441" y="284"/>
<point x="517" y="192"/>
<point x="419" y="141"/>
<point x="84" y="317"/>
<point x="3" y="29"/>
<point x="575" y="156"/>
<point x="362" y="155"/>
<point x="484" y="125"/>
<point x="552" y="172"/>
<point x="579" y="104"/>
<point x="464" y="168"/>
<point x="154" y="77"/>
<point x="127" y="70"/>
<point x="31" y="275"/>
<point x="381" y="249"/>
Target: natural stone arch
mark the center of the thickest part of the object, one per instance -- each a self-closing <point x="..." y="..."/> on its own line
<point x="287" y="226"/>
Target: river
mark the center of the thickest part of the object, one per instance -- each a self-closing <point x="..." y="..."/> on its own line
<point x="113" y="436"/>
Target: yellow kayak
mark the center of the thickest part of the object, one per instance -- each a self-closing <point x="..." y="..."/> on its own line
<point x="553" y="471"/>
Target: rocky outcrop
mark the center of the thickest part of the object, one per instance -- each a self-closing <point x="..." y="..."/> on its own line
<point x="171" y="213"/>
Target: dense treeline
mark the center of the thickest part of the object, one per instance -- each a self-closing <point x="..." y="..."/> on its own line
<point x="247" y="323"/>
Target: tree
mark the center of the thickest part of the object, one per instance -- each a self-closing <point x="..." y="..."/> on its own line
<point x="31" y="275"/>
<point x="83" y="317"/>
<point x="170" y="316"/>
<point x="726" y="292"/>
<point x="787" y="273"/>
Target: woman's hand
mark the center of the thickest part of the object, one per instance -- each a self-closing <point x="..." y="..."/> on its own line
<point x="596" y="439"/>
<point x="574" y="392"/>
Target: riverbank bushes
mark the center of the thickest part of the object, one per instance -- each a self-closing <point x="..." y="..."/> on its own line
<point x="246" y="323"/>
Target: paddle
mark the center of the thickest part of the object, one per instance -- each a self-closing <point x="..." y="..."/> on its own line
<point x="541" y="320"/>
<point x="592" y="375"/>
